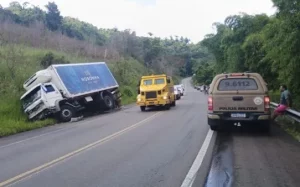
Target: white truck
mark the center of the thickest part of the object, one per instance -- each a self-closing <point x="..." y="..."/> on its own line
<point x="62" y="90"/>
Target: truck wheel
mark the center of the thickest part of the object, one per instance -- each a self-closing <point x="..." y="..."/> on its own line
<point x="143" y="108"/>
<point x="66" y="113"/>
<point x="173" y="103"/>
<point x="167" y="107"/>
<point x="109" y="101"/>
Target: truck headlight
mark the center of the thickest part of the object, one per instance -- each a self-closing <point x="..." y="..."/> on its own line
<point x="165" y="97"/>
<point x="139" y="99"/>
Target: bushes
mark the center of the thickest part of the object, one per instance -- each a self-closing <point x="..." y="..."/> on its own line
<point x="128" y="94"/>
<point x="50" y="59"/>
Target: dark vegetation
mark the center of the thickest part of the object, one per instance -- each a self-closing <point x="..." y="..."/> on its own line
<point x="258" y="43"/>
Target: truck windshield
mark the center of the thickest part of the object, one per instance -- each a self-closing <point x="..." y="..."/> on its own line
<point x="160" y="81"/>
<point x="237" y="84"/>
<point x="33" y="96"/>
<point x="147" y="82"/>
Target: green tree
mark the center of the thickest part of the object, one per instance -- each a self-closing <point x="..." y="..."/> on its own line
<point x="53" y="17"/>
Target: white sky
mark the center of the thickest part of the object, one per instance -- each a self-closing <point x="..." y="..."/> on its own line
<point x="188" y="18"/>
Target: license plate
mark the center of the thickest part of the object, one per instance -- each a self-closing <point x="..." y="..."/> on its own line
<point x="238" y="115"/>
<point x="151" y="102"/>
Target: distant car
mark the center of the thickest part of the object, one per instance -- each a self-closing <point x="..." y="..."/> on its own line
<point x="202" y="88"/>
<point x="180" y="88"/>
<point x="238" y="98"/>
<point x="177" y="93"/>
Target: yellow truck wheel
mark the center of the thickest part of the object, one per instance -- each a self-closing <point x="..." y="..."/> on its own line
<point x="143" y="108"/>
<point x="167" y="106"/>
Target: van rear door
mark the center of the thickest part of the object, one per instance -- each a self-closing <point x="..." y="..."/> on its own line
<point x="238" y="93"/>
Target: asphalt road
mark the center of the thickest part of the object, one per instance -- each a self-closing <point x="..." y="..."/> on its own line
<point x="124" y="148"/>
<point x="244" y="157"/>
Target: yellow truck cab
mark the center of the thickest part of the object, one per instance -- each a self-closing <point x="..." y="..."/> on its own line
<point x="156" y="90"/>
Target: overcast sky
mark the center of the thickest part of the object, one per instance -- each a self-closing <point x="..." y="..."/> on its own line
<point x="188" y="18"/>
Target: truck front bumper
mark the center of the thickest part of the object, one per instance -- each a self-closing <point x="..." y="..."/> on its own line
<point x="153" y="103"/>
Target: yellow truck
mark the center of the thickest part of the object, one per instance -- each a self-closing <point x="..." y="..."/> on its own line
<point x="156" y="90"/>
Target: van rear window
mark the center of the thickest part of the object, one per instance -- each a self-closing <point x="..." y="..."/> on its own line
<point x="237" y="84"/>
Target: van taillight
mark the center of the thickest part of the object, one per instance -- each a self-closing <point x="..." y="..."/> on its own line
<point x="267" y="103"/>
<point x="210" y="103"/>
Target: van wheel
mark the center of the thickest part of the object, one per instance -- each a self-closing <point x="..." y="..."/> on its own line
<point x="66" y="113"/>
<point x="109" y="101"/>
<point x="143" y="108"/>
<point x="214" y="127"/>
<point x="214" y="124"/>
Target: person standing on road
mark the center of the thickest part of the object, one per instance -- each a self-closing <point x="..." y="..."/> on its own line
<point x="206" y="90"/>
<point x="204" y="87"/>
<point x="285" y="102"/>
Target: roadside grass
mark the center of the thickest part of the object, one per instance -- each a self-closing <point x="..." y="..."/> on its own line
<point x="26" y="61"/>
<point x="128" y="100"/>
<point x="291" y="126"/>
<point x="13" y="121"/>
<point x="128" y="95"/>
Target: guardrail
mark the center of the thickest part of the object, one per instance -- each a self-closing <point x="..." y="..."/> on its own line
<point x="295" y="115"/>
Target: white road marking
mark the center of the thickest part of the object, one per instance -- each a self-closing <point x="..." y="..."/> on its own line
<point x="190" y="177"/>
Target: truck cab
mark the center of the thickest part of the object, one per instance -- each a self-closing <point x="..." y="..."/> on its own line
<point x="156" y="90"/>
<point x="38" y="98"/>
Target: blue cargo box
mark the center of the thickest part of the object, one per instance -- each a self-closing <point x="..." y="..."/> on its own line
<point x="84" y="78"/>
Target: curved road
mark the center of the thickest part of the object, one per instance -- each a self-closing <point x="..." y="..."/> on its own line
<point x="127" y="148"/>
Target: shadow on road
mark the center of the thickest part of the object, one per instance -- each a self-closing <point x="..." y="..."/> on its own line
<point x="245" y="156"/>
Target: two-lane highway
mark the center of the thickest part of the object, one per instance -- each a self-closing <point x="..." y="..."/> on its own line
<point x="125" y="148"/>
